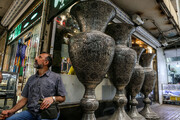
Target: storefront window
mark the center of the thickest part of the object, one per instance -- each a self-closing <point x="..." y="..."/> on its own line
<point x="31" y="51"/>
<point x="66" y="26"/>
<point x="148" y="49"/>
<point x="23" y="53"/>
<point x="13" y="55"/>
<point x="173" y="68"/>
<point x="136" y="41"/>
<point x="8" y="88"/>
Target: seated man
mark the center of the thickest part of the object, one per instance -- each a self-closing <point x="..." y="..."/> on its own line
<point x="45" y="85"/>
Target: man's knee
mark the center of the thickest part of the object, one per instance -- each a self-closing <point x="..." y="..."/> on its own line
<point x="10" y="118"/>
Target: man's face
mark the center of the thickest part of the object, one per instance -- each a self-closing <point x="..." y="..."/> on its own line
<point x="40" y="61"/>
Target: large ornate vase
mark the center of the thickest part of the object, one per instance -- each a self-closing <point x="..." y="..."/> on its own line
<point x="149" y="82"/>
<point x="91" y="51"/>
<point x="135" y="85"/>
<point x="122" y="66"/>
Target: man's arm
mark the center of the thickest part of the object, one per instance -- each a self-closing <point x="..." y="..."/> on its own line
<point x="60" y="92"/>
<point x="18" y="106"/>
<point x="49" y="100"/>
<point x="60" y="99"/>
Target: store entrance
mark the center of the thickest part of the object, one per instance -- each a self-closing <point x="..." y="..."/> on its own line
<point x="148" y="49"/>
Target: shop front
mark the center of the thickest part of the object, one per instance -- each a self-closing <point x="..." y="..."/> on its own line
<point x="22" y="47"/>
<point x="148" y="49"/>
<point x="23" y="43"/>
<point x="64" y="27"/>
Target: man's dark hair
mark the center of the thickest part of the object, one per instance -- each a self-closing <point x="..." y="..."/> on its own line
<point x="48" y="58"/>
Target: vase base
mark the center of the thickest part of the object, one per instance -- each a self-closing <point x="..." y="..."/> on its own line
<point x="136" y="116"/>
<point x="120" y="115"/>
<point x="88" y="117"/>
<point x="149" y="115"/>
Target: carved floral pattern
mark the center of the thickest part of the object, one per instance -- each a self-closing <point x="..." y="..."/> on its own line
<point x="148" y="85"/>
<point x="91" y="51"/>
<point x="122" y="66"/>
<point x="135" y="85"/>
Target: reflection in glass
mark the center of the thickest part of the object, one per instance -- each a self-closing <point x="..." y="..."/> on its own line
<point x="65" y="28"/>
<point x="173" y="72"/>
<point x="8" y="90"/>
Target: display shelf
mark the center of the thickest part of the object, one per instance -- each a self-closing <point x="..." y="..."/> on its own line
<point x="8" y="88"/>
<point x="171" y="93"/>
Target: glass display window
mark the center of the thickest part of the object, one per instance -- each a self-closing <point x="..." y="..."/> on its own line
<point x="12" y="55"/>
<point x="32" y="43"/>
<point x="8" y="88"/>
<point x="173" y="70"/>
<point x="136" y="41"/>
<point x="26" y="50"/>
<point x="148" y="49"/>
<point x="66" y="26"/>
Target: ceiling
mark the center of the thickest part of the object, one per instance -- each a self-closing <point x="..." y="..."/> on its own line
<point x="155" y="20"/>
<point x="4" y="5"/>
<point x="174" y="4"/>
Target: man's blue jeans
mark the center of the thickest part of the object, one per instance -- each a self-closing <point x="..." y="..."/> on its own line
<point x="26" y="115"/>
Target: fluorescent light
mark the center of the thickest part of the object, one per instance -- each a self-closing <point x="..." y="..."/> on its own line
<point x="26" y="25"/>
<point x="34" y="16"/>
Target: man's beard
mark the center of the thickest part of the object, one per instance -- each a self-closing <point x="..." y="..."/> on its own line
<point x="37" y="66"/>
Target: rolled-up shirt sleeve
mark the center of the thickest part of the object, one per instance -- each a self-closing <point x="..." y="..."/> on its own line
<point x="25" y="91"/>
<point x="61" y="91"/>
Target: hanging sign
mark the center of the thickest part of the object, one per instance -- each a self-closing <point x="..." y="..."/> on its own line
<point x="31" y="19"/>
<point x="58" y="6"/>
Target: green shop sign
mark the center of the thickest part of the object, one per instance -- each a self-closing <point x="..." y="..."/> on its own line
<point x="31" y="19"/>
<point x="58" y="6"/>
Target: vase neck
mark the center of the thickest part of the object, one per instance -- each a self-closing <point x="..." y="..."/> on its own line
<point x="93" y="15"/>
<point x="122" y="42"/>
<point x="146" y="59"/>
<point x="139" y="51"/>
<point x="121" y="32"/>
<point x="89" y="93"/>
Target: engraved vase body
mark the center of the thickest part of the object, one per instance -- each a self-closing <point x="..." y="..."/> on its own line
<point x="91" y="51"/>
<point x="122" y="66"/>
<point x="148" y="85"/>
<point x="135" y="85"/>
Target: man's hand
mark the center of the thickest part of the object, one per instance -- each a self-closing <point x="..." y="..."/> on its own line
<point x="46" y="103"/>
<point x="19" y="105"/>
<point x="6" y="113"/>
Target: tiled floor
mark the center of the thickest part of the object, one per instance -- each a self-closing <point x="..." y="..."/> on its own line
<point x="165" y="111"/>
